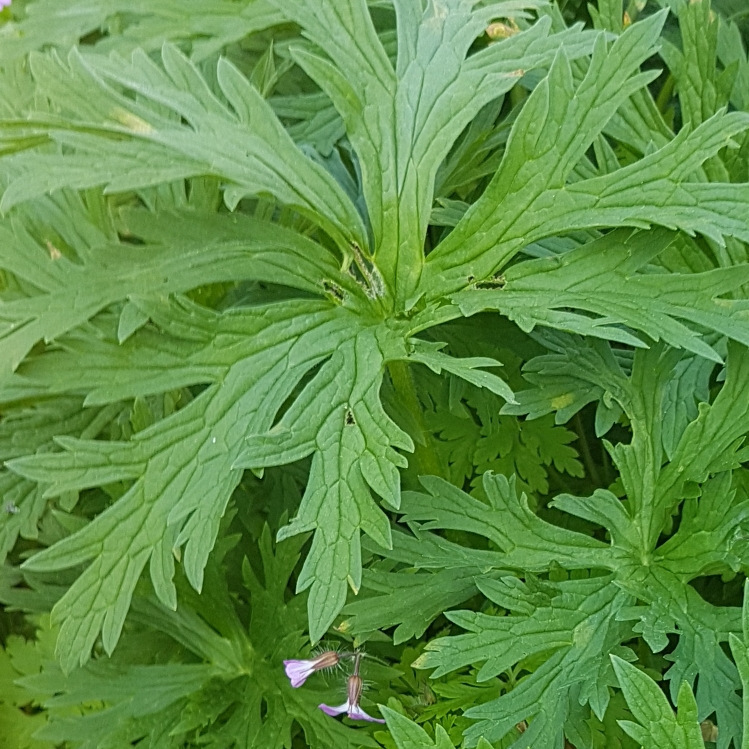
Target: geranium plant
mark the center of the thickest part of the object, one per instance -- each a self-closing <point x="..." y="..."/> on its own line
<point x="324" y="317"/>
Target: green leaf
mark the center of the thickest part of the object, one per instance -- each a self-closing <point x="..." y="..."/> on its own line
<point x="339" y="417"/>
<point x="208" y="25"/>
<point x="31" y="430"/>
<point x="546" y="622"/>
<point x="412" y="602"/>
<point x="539" y="292"/>
<point x="528" y="542"/>
<point x="581" y="629"/>
<point x="403" y="121"/>
<point x="528" y="198"/>
<point x="21" y="658"/>
<point x="580" y="371"/>
<point x="184" y="475"/>
<point x="610" y="15"/>
<point x="689" y="387"/>
<point x="409" y="735"/>
<point x="248" y="147"/>
<point x="658" y="727"/>
<point x="740" y="652"/>
<point x="707" y="533"/>
<point x="469" y="370"/>
<point x="544" y="146"/>
<point x="182" y="253"/>
<point x="709" y="443"/>
<point x="701" y="91"/>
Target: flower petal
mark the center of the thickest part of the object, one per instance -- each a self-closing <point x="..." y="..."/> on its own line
<point x="296" y="670"/>
<point x="356" y="713"/>
<point x="328" y="710"/>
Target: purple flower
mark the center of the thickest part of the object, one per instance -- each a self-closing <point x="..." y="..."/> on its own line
<point x="5" y="3"/>
<point x="299" y="670"/>
<point x="351" y="706"/>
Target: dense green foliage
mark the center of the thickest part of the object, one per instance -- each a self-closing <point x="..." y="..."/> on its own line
<point x="418" y="328"/>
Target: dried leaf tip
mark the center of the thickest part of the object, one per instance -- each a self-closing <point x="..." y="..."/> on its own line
<point x="54" y="253"/>
<point x="500" y="30"/>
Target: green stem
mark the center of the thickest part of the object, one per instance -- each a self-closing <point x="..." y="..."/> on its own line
<point x="664" y="95"/>
<point x="425" y="458"/>
<point x="590" y="465"/>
